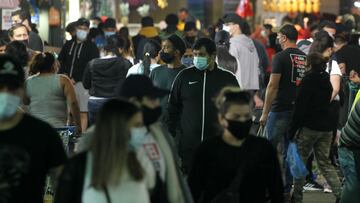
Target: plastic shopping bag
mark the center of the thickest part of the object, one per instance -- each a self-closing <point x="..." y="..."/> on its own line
<point x="297" y="167"/>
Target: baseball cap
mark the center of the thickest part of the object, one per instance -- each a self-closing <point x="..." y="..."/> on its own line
<point x="234" y="18"/>
<point x="140" y="86"/>
<point x="178" y="43"/>
<point x="288" y="30"/>
<point x="11" y="73"/>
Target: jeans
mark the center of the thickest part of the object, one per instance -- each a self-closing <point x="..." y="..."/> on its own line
<point x="94" y="106"/>
<point x="276" y="130"/>
<point x="351" y="188"/>
<point x="310" y="140"/>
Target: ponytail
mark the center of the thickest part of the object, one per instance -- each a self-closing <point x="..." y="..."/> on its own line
<point x="41" y="62"/>
<point x="151" y="51"/>
<point x="146" y="63"/>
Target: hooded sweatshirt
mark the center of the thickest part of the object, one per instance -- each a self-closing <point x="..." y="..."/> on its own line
<point x="312" y="106"/>
<point x="102" y="76"/>
<point x="247" y="73"/>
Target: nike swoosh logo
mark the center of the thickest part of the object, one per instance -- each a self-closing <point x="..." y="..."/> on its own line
<point x="191" y="83"/>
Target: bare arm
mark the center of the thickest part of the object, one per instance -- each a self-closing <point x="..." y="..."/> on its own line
<point x="71" y="100"/>
<point x="335" y="81"/>
<point x="270" y="95"/>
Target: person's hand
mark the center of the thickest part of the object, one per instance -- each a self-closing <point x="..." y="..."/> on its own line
<point x="263" y="119"/>
<point x="72" y="81"/>
<point x="354" y="77"/>
<point x="258" y="102"/>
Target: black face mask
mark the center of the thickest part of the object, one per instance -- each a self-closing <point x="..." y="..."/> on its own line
<point x="191" y="40"/>
<point x="151" y="115"/>
<point x="26" y="42"/>
<point x="239" y="129"/>
<point x="166" y="57"/>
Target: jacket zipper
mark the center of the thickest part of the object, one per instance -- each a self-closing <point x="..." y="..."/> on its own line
<point x="203" y="109"/>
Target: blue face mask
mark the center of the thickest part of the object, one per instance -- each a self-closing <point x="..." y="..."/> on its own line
<point x="187" y="61"/>
<point x="200" y="63"/>
<point x="137" y="137"/>
<point x="9" y="103"/>
<point x="108" y="34"/>
<point x="81" y="35"/>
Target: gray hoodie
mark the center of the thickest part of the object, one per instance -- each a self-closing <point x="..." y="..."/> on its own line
<point x="247" y="73"/>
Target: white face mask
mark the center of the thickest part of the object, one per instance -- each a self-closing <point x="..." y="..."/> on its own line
<point x="9" y="103"/>
<point x="263" y="33"/>
<point x="81" y="35"/>
<point x="137" y="137"/>
<point x="226" y="28"/>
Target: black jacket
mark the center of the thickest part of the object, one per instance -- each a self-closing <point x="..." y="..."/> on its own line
<point x="102" y="76"/>
<point x="192" y="114"/>
<point x="74" y="57"/>
<point x="312" y="105"/>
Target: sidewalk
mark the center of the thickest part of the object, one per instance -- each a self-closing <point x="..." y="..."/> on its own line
<point x="318" y="197"/>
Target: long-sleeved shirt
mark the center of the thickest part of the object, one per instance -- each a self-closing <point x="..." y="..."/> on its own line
<point x="312" y="105"/>
<point x="247" y="73"/>
<point x="216" y="164"/>
<point x="350" y="135"/>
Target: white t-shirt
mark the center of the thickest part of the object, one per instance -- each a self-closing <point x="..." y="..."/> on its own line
<point x="139" y="69"/>
<point x="155" y="155"/>
<point x="128" y="190"/>
<point x="335" y="70"/>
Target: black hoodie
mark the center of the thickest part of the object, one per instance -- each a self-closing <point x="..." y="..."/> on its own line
<point x="312" y="106"/>
<point x="74" y="57"/>
<point x="102" y="76"/>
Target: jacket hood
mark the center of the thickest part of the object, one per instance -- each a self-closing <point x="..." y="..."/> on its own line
<point x="149" y="32"/>
<point x="107" y="65"/>
<point x="244" y="41"/>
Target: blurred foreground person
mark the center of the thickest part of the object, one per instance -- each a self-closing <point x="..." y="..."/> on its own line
<point x="114" y="169"/>
<point x="227" y="160"/>
<point x="29" y="148"/>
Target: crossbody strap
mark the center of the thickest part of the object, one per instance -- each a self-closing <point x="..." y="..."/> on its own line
<point x="107" y="195"/>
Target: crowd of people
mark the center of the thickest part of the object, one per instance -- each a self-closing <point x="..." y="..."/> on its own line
<point x="169" y="115"/>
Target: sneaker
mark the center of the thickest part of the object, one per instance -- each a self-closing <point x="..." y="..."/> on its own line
<point x="313" y="186"/>
<point x="327" y="188"/>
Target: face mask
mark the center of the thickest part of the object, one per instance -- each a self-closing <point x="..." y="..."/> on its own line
<point x="239" y="129"/>
<point x="166" y="57"/>
<point x="108" y="34"/>
<point x="81" y="35"/>
<point x="151" y="115"/>
<point x="263" y="33"/>
<point x="200" y="63"/>
<point x="226" y="28"/>
<point x="26" y="42"/>
<point x="187" y="61"/>
<point x="137" y="137"/>
<point x="9" y="103"/>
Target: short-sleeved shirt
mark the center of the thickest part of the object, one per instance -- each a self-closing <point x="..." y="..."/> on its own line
<point x="27" y="152"/>
<point x="290" y="64"/>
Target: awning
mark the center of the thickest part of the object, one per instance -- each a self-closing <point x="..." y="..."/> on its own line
<point x="9" y="3"/>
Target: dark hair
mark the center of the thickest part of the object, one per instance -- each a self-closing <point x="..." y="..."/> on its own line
<point x="184" y="10"/>
<point x="14" y="27"/>
<point x="342" y="38"/>
<point x="322" y="41"/>
<point x="147" y="21"/>
<point x="124" y="32"/>
<point x="22" y="14"/>
<point x="151" y="51"/>
<point x="289" y="31"/>
<point x="354" y="39"/>
<point x="246" y="30"/>
<point x="207" y="43"/>
<point x="113" y="43"/>
<point x="231" y="95"/>
<point x="110" y="145"/>
<point x="172" y="19"/>
<point x="3" y="42"/>
<point x="11" y="81"/>
<point x="109" y="23"/>
<point x="93" y="33"/>
<point x="224" y="58"/>
<point x="317" y="62"/>
<point x="314" y="27"/>
<point x="190" y="26"/>
<point x="96" y="18"/>
<point x="17" y="50"/>
<point x="268" y="26"/>
<point x="42" y="62"/>
<point x="83" y="21"/>
<point x="71" y="27"/>
<point x="328" y="24"/>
